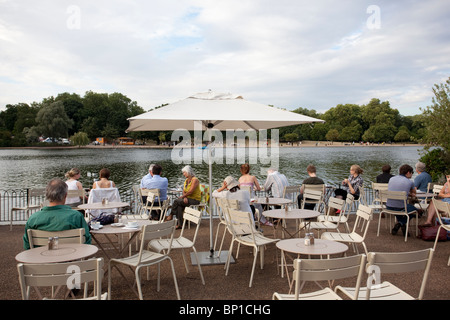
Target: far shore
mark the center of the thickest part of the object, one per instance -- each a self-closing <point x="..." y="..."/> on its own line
<point x="302" y="144"/>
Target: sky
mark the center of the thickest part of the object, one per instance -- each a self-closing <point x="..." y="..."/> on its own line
<point x="285" y="53"/>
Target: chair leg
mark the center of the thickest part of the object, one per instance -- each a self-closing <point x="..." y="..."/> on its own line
<point x="253" y="267"/>
<point x="138" y="283"/>
<point x="174" y="278"/>
<point x="198" y="265"/>
<point x="227" y="264"/>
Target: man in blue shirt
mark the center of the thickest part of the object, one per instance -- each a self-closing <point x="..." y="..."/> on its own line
<point x="157" y="182"/>
<point x="401" y="182"/>
<point x="423" y="179"/>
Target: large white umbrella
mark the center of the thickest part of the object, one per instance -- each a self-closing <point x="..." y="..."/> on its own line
<point x="215" y="111"/>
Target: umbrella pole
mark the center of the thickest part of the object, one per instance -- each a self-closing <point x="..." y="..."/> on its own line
<point x="208" y="258"/>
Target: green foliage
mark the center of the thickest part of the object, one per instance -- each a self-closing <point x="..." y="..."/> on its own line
<point x="438" y="163"/>
<point x="437" y="117"/>
<point x="80" y="139"/>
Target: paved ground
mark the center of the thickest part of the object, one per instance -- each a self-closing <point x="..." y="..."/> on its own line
<point x="235" y="285"/>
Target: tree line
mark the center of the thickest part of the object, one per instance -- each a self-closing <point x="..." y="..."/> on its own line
<point x="105" y="115"/>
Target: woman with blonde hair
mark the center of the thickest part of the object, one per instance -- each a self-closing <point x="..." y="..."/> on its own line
<point x="73" y="184"/>
<point x="351" y="184"/>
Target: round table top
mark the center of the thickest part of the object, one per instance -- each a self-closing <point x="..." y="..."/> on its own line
<point x="320" y="246"/>
<point x="272" y="201"/>
<point x="65" y="252"/>
<point x="118" y="228"/>
<point x="100" y="206"/>
<point x="292" y="214"/>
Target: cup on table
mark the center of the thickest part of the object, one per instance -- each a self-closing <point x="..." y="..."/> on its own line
<point x="96" y="225"/>
<point x="132" y="224"/>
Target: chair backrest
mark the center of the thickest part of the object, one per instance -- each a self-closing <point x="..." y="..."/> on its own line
<point x="77" y="193"/>
<point x="363" y="213"/>
<point x="249" y="189"/>
<point x="320" y="187"/>
<point x="224" y="205"/>
<point x="442" y="209"/>
<point x="164" y="207"/>
<point x="38" y="238"/>
<point x="194" y="216"/>
<point x="312" y="196"/>
<point x="156" y="231"/>
<point x="393" y="195"/>
<point x="240" y="220"/>
<point x="69" y="275"/>
<point x="97" y="194"/>
<point x="336" y="204"/>
<point x="376" y="188"/>
<point x="328" y="269"/>
<point x="437" y="188"/>
<point x="400" y="262"/>
<point x="35" y="196"/>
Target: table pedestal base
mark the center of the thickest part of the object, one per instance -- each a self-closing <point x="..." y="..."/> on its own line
<point x="206" y="259"/>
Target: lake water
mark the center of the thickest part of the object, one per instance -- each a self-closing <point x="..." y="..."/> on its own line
<point x="25" y="168"/>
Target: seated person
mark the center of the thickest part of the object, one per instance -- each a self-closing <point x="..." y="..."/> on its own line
<point x="104" y="181"/>
<point x="312" y="179"/>
<point x="230" y="190"/>
<point x="386" y="175"/>
<point x="157" y="182"/>
<point x="56" y="216"/>
<point x="444" y="195"/>
<point x="192" y="195"/>
<point x="401" y="182"/>
<point x="423" y="178"/>
<point x="147" y="178"/>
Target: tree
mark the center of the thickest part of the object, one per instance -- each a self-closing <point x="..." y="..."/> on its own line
<point x="290" y="137"/>
<point x="332" y="135"/>
<point x="80" y="139"/>
<point x="437" y="124"/>
<point x="52" y="121"/>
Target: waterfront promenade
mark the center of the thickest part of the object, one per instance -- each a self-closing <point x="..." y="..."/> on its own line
<point x="235" y="285"/>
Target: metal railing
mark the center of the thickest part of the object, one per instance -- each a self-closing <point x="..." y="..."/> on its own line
<point x="18" y="198"/>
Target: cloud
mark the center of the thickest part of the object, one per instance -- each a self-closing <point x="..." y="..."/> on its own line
<point x="286" y="53"/>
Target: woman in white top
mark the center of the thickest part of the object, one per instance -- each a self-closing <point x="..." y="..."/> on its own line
<point x="72" y="182"/>
<point x="104" y="182"/>
<point x="230" y="190"/>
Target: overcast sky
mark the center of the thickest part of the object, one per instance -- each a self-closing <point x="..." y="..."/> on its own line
<point x="286" y="53"/>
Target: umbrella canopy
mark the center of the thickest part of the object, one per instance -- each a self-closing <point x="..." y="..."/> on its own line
<point x="218" y="111"/>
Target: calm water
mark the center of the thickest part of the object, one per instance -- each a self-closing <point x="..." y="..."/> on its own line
<point x="24" y="168"/>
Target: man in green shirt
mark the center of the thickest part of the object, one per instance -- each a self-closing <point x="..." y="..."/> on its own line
<point x="56" y="216"/>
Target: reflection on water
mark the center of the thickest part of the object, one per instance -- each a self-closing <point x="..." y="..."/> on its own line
<point x="24" y="168"/>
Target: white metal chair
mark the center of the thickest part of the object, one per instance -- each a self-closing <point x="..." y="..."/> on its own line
<point x="401" y="196"/>
<point x="145" y="258"/>
<point x="38" y="238"/>
<point x="342" y="218"/>
<point x="33" y="202"/>
<point x="222" y="206"/>
<point x="291" y="193"/>
<point x="326" y="223"/>
<point x="380" y="264"/>
<point x="324" y="270"/>
<point x="362" y="214"/>
<point x="442" y="209"/>
<point x="312" y="196"/>
<point x="158" y="245"/>
<point x="69" y="275"/>
<point x="240" y="219"/>
<point x="97" y="194"/>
